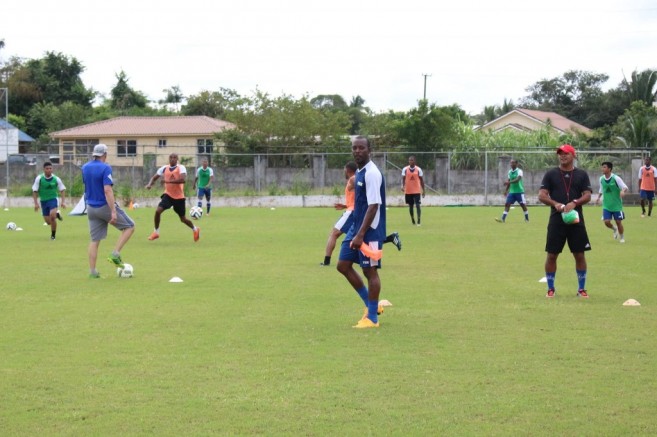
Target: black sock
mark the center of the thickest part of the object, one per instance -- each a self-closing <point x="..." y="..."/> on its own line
<point x="327" y="260"/>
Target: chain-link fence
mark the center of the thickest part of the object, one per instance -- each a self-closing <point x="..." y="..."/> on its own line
<point x="448" y="173"/>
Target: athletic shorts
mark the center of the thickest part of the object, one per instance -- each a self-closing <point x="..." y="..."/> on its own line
<point x="647" y="194"/>
<point x="356" y="256"/>
<point x="178" y="205"/>
<point x="345" y="222"/>
<point x="575" y="235"/>
<point x="48" y="205"/>
<point x="616" y="215"/>
<point x="99" y="219"/>
<point x="512" y="198"/>
<point x="205" y="192"/>
<point x="413" y="199"/>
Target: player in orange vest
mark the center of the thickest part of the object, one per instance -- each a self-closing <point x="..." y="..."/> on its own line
<point x="412" y="184"/>
<point x="173" y="176"/>
<point x="647" y="185"/>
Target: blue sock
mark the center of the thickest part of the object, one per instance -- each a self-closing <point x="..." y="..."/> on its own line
<point x="581" y="279"/>
<point x="504" y="214"/>
<point x="199" y="204"/>
<point x="372" y="308"/>
<point x="550" y="279"/>
<point x="363" y="292"/>
<point x="208" y="206"/>
<point x="527" y="215"/>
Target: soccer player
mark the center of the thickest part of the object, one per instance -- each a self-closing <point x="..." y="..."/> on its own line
<point x="102" y="209"/>
<point x="346" y="219"/>
<point x="49" y="188"/>
<point x="612" y="190"/>
<point x="173" y="176"/>
<point x="514" y="191"/>
<point x="565" y="189"/>
<point x="647" y="185"/>
<point x="412" y="184"/>
<point x="203" y="180"/>
<point x="369" y="227"/>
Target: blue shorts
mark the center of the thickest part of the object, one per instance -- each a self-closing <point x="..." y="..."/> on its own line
<point x="512" y="198"/>
<point x="646" y="194"/>
<point x="356" y="256"/>
<point x="616" y="215"/>
<point x="344" y="223"/>
<point x="49" y="205"/>
<point x="205" y="192"/>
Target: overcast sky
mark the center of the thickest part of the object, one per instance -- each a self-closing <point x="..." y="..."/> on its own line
<point x="477" y="52"/>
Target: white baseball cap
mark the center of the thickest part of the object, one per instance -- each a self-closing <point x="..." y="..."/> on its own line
<point x="100" y="149"/>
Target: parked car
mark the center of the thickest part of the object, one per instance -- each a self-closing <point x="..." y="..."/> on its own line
<point x="20" y="159"/>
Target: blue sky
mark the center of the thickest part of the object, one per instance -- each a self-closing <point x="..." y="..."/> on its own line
<point x="476" y="52"/>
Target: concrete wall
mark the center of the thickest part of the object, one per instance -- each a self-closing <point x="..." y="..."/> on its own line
<point x="261" y="179"/>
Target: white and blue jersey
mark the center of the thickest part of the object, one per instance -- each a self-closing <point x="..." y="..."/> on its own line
<point x="95" y="175"/>
<point x="370" y="189"/>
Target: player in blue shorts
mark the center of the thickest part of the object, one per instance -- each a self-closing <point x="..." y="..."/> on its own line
<point x="49" y="189"/>
<point x="369" y="227"/>
<point x="514" y="191"/>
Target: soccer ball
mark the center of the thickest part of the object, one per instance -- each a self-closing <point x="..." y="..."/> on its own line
<point x="126" y="272"/>
<point x="196" y="212"/>
<point x="11" y="226"/>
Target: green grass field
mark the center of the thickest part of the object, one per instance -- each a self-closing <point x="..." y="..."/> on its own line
<point x="257" y="340"/>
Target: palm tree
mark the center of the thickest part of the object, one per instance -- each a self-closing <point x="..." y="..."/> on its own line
<point x="642" y="87"/>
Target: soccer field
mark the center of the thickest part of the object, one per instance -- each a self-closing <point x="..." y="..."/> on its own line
<point x="258" y="337"/>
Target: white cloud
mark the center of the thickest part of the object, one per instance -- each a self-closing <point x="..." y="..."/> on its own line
<point x="477" y="52"/>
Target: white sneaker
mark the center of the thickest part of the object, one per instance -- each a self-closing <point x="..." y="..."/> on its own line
<point x="622" y="240"/>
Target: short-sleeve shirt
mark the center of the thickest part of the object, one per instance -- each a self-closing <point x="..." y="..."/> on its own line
<point x="610" y="190"/>
<point x="95" y="175"/>
<point x="564" y="187"/>
<point x="412" y="184"/>
<point x="48" y="188"/>
<point x="516" y="187"/>
<point x="175" y="191"/>
<point x="647" y="177"/>
<point x="370" y="189"/>
<point x="204" y="175"/>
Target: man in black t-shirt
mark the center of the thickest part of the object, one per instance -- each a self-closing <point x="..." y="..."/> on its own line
<point x="565" y="189"/>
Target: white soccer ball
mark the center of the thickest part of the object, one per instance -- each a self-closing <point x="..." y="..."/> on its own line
<point x="196" y="212"/>
<point x="125" y="272"/>
<point x="11" y="226"/>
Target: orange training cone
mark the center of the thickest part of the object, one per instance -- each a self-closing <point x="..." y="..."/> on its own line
<point x="131" y="206"/>
<point x="375" y="254"/>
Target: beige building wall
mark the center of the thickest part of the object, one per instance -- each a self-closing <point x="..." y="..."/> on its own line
<point x="78" y="150"/>
<point x="515" y="118"/>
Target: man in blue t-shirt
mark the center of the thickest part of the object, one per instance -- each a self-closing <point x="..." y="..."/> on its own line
<point x="102" y="209"/>
<point x="369" y="227"/>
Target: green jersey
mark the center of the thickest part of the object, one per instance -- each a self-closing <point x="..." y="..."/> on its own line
<point x="48" y="188"/>
<point x="204" y="175"/>
<point x="610" y="190"/>
<point x="516" y="187"/>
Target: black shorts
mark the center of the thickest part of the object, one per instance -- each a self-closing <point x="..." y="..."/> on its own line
<point x="178" y="205"/>
<point x="413" y="199"/>
<point x="575" y="235"/>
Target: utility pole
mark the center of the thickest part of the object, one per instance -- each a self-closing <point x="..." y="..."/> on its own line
<point x="425" y="85"/>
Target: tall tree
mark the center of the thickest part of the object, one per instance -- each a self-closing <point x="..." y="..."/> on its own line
<point x="642" y="86"/>
<point x="429" y="127"/>
<point x="637" y="127"/>
<point x="174" y="96"/>
<point x="575" y="95"/>
<point x="124" y="97"/>
<point x="212" y="104"/>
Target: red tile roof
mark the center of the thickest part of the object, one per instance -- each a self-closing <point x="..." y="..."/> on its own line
<point x="558" y="121"/>
<point x="147" y="126"/>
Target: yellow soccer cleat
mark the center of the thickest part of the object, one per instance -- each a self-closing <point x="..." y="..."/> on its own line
<point x="366" y="323"/>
